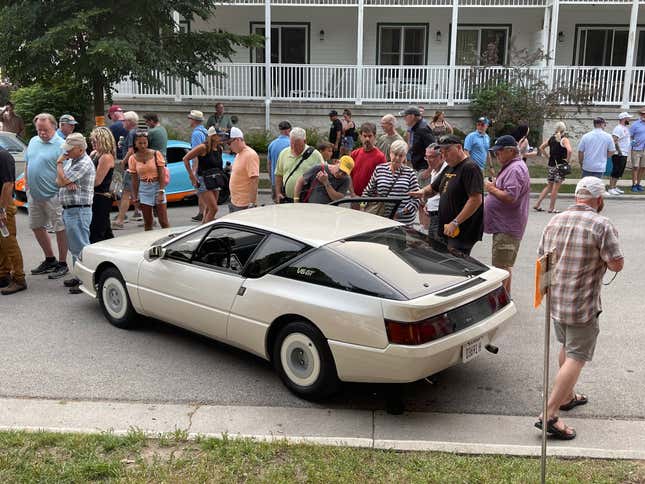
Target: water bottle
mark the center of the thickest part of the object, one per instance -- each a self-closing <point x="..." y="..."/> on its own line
<point x="4" y="230"/>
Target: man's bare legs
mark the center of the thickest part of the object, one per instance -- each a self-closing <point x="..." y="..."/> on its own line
<point x="46" y="244"/>
<point x="565" y="382"/>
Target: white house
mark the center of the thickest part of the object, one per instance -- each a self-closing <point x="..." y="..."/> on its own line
<point x="418" y="51"/>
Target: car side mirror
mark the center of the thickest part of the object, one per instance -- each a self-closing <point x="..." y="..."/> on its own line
<point x="155" y="252"/>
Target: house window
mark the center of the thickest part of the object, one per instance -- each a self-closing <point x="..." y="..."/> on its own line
<point x="482" y="45"/>
<point x="402" y="45"/>
<point x="184" y="26"/>
<point x="289" y="43"/>
<point x="607" y="46"/>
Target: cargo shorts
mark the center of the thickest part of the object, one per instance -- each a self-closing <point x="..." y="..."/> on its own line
<point x="579" y="341"/>
<point x="505" y="249"/>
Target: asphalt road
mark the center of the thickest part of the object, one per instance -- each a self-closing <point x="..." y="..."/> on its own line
<point x="57" y="345"/>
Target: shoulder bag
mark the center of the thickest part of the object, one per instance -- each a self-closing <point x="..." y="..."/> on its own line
<point x="378" y="208"/>
<point x="306" y="154"/>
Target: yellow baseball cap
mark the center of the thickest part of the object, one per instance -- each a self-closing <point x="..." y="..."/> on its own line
<point x="346" y="164"/>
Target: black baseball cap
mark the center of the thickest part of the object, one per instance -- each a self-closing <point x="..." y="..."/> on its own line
<point x="448" y="140"/>
<point x="284" y="125"/>
<point x="333" y="112"/>
<point x="411" y="110"/>
<point x="506" y="141"/>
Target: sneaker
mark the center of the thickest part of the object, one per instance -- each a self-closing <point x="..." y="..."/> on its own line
<point x="621" y="192"/>
<point x="13" y="288"/>
<point x="5" y="281"/>
<point x="60" y="271"/>
<point x="198" y="217"/>
<point x="613" y="191"/>
<point x="125" y="219"/>
<point x="635" y="189"/>
<point x="45" y="267"/>
<point x="640" y="188"/>
<point x="137" y="216"/>
<point x="75" y="290"/>
<point x="116" y="225"/>
<point x="72" y="282"/>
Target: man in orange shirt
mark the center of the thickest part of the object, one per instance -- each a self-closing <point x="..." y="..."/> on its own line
<point x="245" y="174"/>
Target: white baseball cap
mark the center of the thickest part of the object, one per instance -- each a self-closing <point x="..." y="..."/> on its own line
<point x="624" y="115"/>
<point x="594" y="188"/>
<point x="236" y="133"/>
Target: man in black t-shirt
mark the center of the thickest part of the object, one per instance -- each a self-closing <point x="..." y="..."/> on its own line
<point x="335" y="132"/>
<point x="461" y="189"/>
<point x="12" y="273"/>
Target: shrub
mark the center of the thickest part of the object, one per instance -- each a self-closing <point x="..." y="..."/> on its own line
<point x="57" y="100"/>
<point x="258" y="140"/>
<point x="313" y="137"/>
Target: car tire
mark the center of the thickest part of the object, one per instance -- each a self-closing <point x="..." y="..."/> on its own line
<point x="115" y="301"/>
<point x="302" y="358"/>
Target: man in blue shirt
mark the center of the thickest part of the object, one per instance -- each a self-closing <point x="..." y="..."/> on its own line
<point x="594" y="148"/>
<point x="476" y="146"/>
<point x="42" y="193"/>
<point x="197" y="137"/>
<point x="638" y="151"/>
<point x="115" y="114"/>
<point x="66" y="125"/>
<point x="275" y="148"/>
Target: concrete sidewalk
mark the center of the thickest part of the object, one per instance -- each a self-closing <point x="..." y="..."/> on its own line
<point x="459" y="433"/>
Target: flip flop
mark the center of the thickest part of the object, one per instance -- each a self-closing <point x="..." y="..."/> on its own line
<point x="554" y="211"/>
<point x="574" y="402"/>
<point x="538" y="209"/>
<point x="567" y="433"/>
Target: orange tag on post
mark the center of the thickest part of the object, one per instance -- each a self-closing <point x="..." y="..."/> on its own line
<point x="537" y="299"/>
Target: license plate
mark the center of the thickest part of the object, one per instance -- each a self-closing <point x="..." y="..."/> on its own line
<point x="471" y="349"/>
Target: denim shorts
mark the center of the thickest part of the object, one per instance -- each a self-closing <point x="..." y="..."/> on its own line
<point x="148" y="193"/>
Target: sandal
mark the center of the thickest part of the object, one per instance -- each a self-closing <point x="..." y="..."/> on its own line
<point x="116" y="226"/>
<point x="555" y="210"/>
<point x="574" y="402"/>
<point x="567" y="433"/>
<point x="538" y="209"/>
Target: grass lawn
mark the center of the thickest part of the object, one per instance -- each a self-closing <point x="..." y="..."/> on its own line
<point x="537" y="188"/>
<point x="48" y="457"/>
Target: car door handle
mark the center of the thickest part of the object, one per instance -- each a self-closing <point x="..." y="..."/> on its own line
<point x="241" y="291"/>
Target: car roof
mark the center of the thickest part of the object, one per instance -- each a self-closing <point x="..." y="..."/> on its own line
<point x="313" y="224"/>
<point x="175" y="143"/>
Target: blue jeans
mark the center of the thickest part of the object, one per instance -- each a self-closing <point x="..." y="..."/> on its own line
<point x="597" y="174"/>
<point x="77" y="227"/>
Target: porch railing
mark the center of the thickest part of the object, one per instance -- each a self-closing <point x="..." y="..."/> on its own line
<point x="390" y="84"/>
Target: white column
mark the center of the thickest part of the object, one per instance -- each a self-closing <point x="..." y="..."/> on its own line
<point x="453" y="52"/>
<point x="629" y="61"/>
<point x="267" y="65"/>
<point x="546" y="29"/>
<point x="553" y="39"/>
<point x="177" y="80"/>
<point x="359" y="53"/>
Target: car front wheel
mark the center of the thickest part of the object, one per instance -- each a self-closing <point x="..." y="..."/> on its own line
<point x="115" y="301"/>
<point x="303" y="360"/>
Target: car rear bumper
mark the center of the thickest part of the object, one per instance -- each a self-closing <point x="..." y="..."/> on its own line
<point x="404" y="364"/>
<point x="86" y="276"/>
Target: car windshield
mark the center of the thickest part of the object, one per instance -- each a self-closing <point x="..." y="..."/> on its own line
<point x="406" y="259"/>
<point x="11" y="144"/>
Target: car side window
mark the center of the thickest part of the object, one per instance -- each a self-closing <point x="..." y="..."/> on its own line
<point x="328" y="268"/>
<point x="227" y="248"/>
<point x="274" y="251"/>
<point x="175" y="155"/>
<point x="183" y="249"/>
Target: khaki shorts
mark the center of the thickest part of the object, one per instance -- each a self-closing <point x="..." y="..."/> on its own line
<point x="42" y="212"/>
<point x="579" y="341"/>
<point x="505" y="249"/>
<point x="638" y="159"/>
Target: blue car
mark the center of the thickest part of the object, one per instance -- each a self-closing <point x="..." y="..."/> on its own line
<point x="177" y="190"/>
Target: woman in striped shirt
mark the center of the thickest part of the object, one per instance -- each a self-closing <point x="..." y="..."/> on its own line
<point x="395" y="179"/>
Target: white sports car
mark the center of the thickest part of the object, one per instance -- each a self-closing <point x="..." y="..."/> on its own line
<point x="327" y="294"/>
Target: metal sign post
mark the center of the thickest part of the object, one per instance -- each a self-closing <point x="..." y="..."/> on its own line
<point x="543" y="287"/>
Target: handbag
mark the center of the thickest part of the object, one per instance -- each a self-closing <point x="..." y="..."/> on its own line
<point x="564" y="169"/>
<point x="378" y="208"/>
<point x="214" y="179"/>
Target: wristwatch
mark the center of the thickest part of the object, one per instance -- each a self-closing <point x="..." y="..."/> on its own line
<point x="455" y="222"/>
<point x="162" y="190"/>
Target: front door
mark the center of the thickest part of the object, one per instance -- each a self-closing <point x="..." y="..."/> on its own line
<point x="289" y="45"/>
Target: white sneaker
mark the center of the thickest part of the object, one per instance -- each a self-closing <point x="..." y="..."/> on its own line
<point x="619" y="191"/>
<point x="613" y="191"/>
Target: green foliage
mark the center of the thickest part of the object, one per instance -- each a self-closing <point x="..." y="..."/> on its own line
<point x="459" y="133"/>
<point x="102" y="43"/>
<point x="56" y="99"/>
<point x="258" y="140"/>
<point x="313" y="137"/>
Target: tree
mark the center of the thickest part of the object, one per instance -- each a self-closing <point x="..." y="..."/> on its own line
<point x="97" y="44"/>
<point x="523" y="93"/>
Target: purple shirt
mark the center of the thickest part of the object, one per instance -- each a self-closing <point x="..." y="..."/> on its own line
<point x="509" y="218"/>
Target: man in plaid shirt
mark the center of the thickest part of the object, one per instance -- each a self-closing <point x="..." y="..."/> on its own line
<point x="75" y="175"/>
<point x="586" y="245"/>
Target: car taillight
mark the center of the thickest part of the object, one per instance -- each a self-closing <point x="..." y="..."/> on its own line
<point x="419" y="332"/>
<point x="498" y="299"/>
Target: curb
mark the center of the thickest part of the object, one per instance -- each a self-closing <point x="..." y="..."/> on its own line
<point x="454" y="433"/>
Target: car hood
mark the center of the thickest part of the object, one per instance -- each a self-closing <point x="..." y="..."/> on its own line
<point x="138" y="241"/>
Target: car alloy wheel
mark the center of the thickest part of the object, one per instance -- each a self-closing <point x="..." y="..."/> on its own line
<point x="114" y="299"/>
<point x="303" y="360"/>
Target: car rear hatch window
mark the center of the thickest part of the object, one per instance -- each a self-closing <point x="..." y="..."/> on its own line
<point x="408" y="261"/>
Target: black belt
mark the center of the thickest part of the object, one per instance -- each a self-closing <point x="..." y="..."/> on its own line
<point x="76" y="206"/>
